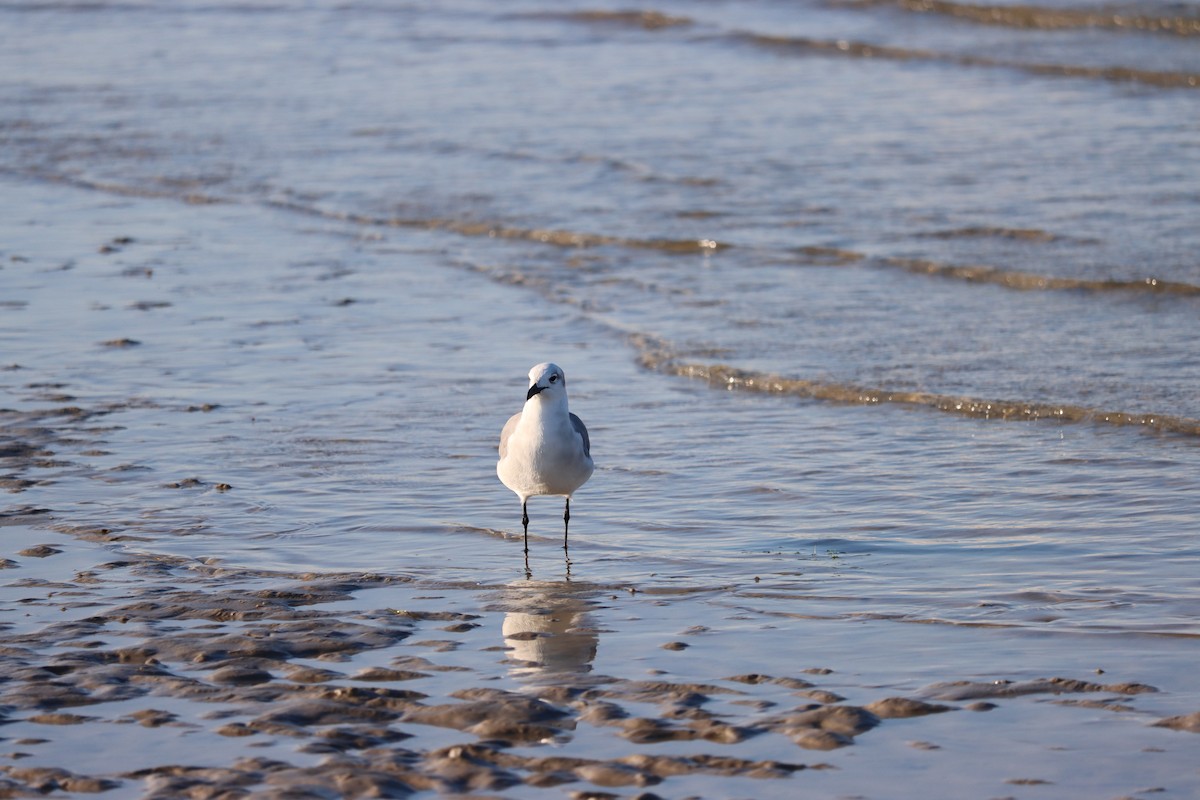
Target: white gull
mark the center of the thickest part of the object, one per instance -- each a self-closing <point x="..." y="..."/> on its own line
<point x="544" y="448"/>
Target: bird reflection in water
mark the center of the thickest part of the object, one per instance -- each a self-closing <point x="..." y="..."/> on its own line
<point x="549" y="629"/>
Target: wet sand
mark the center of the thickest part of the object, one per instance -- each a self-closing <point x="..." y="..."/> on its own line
<point x="142" y="674"/>
<point x="171" y="678"/>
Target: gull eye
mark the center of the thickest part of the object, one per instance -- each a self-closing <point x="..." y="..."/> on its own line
<point x="554" y="378"/>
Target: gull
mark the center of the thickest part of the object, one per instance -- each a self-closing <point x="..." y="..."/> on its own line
<point x="544" y="448"/>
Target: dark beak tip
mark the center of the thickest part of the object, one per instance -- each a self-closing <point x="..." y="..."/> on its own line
<point x="532" y="391"/>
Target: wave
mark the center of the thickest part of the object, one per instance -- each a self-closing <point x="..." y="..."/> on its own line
<point x="179" y="191"/>
<point x="992" y="231"/>
<point x="1009" y="279"/>
<point x="1028" y="281"/>
<point x="648" y="20"/>
<point x="1029" y="17"/>
<point x="815" y="255"/>
<point x="655" y="355"/>
<point x="1016" y="16"/>
<point x="843" y="47"/>
<point x="1023" y="17"/>
<point x="493" y="230"/>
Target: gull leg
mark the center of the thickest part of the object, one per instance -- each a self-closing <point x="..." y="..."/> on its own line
<point x="525" y="523"/>
<point x="566" y="552"/>
<point x="566" y="521"/>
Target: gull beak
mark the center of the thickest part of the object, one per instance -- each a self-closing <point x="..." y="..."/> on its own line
<point x="533" y="390"/>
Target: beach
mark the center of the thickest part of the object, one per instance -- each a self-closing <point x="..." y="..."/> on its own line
<point x="881" y="316"/>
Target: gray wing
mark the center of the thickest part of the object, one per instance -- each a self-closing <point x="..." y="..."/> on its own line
<point x="509" y="427"/>
<point x="581" y="429"/>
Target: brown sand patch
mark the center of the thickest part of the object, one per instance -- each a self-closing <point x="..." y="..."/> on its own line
<point x="1186" y="722"/>
<point x="821" y="740"/>
<point x="39" y="551"/>
<point x="353" y="737"/>
<point x="969" y="690"/>
<point x="601" y="713"/>
<point x="903" y="708"/>
<point x="644" y="730"/>
<point x="755" y="678"/>
<point x="615" y="775"/>
<point x="58" y="718"/>
<point x="294" y="718"/>
<point x="423" y="664"/>
<point x="1104" y="705"/>
<point x="312" y="675"/>
<point x="240" y="675"/>
<point x="387" y="675"/>
<point x="45" y="780"/>
<point x="494" y="714"/>
<point x="150" y="718"/>
<point x="665" y="766"/>
<point x="665" y="693"/>
<point x="844" y="720"/>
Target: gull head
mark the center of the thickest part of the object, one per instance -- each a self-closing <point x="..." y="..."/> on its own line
<point x="549" y="379"/>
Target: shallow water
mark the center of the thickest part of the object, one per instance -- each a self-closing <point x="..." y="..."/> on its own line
<point x="882" y="318"/>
